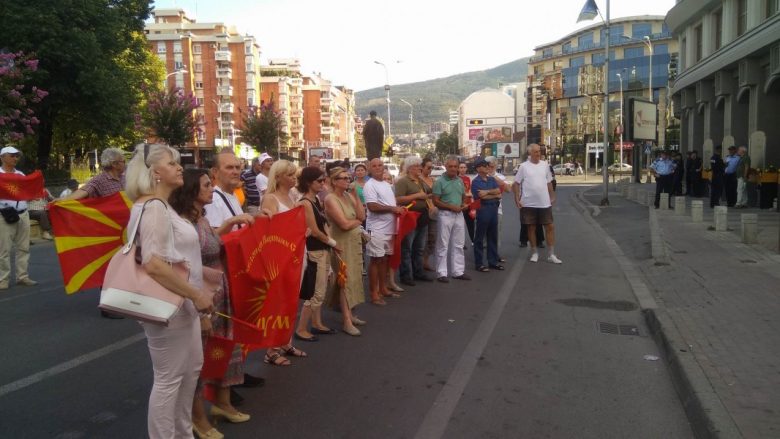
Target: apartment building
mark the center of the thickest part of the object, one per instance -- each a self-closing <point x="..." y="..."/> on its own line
<point x="328" y="118"/>
<point x="282" y="84"/>
<point x="565" y="88"/>
<point x="727" y="90"/>
<point x="216" y="63"/>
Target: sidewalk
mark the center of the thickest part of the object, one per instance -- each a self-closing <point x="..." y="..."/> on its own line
<point x="718" y="302"/>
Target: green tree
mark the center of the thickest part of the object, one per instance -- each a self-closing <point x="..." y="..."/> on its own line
<point x="447" y="143"/>
<point x="89" y="53"/>
<point x="261" y="127"/>
<point x="170" y="116"/>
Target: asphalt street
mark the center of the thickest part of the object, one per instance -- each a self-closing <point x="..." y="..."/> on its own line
<point x="536" y="351"/>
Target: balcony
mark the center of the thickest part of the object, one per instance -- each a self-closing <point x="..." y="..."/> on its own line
<point x="226" y="108"/>
<point x="326" y="116"/>
<point x="223" y="56"/>
<point x="225" y="90"/>
<point x="296" y="128"/>
<point x="326" y="100"/>
<point x="295" y="99"/>
<point x="295" y="112"/>
<point x="225" y="125"/>
<point x="224" y="73"/>
<point x="327" y="131"/>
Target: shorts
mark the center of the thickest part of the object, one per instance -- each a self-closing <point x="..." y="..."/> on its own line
<point x="379" y="245"/>
<point x="536" y="215"/>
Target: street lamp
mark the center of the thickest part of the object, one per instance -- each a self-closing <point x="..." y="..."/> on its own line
<point x="176" y="72"/>
<point x="620" y="126"/>
<point x="387" y="90"/>
<point x="589" y="12"/>
<point x="411" y="124"/>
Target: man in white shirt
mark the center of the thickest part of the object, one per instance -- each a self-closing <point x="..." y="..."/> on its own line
<point x="380" y="223"/>
<point x="534" y="196"/>
<point x="16" y="234"/>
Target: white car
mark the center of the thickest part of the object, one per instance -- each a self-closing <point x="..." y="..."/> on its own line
<point x="438" y="171"/>
<point x="564" y="169"/>
<point x="620" y="168"/>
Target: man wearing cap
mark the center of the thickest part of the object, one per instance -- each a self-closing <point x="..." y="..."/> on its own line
<point x="17" y="234"/>
<point x="488" y="191"/>
<point x="730" y="176"/>
<point x="261" y="180"/>
<point x="374" y="136"/>
<point x="663" y="169"/>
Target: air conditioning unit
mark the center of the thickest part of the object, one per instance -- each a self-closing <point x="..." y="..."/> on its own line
<point x="748" y="72"/>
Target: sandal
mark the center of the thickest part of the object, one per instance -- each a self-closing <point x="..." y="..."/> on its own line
<point x="276" y="359"/>
<point x="294" y="352"/>
<point x="393" y="295"/>
<point x="378" y="302"/>
<point x="483" y="269"/>
<point x="497" y="267"/>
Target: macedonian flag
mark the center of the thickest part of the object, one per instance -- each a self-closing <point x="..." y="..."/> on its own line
<point x="19" y="187"/>
<point x="87" y="234"/>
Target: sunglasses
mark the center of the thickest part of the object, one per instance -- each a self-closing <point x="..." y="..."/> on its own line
<point x="342" y="178"/>
<point x="320" y="180"/>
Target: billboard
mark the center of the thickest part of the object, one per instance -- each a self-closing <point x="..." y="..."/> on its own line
<point x="324" y="153"/>
<point x="498" y="134"/>
<point x="643" y="119"/>
<point x="507" y="150"/>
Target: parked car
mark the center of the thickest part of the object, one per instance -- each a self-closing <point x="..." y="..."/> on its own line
<point x="438" y="170"/>
<point x="564" y="169"/>
<point x="619" y="168"/>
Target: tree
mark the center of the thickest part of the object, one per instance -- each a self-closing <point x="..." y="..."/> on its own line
<point x="170" y="116"/>
<point x="18" y="100"/>
<point x="84" y="48"/>
<point x="447" y="143"/>
<point x="261" y="127"/>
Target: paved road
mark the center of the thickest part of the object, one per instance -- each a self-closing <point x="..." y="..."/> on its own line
<point x="518" y="353"/>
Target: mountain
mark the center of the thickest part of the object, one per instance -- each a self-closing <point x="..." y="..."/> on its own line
<point x="438" y="96"/>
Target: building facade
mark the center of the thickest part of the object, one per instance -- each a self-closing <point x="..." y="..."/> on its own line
<point x="282" y="84"/>
<point x="727" y="90"/>
<point x="215" y="63"/>
<point x="485" y="116"/>
<point x="565" y="88"/>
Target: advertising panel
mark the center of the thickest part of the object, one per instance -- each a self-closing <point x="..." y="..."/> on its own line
<point x="643" y="120"/>
<point x="509" y="150"/>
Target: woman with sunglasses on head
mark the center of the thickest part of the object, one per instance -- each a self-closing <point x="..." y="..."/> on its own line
<point x="318" y="246"/>
<point x="346" y="214"/>
<point x="278" y="199"/>
<point x="166" y="238"/>
<point x="190" y="202"/>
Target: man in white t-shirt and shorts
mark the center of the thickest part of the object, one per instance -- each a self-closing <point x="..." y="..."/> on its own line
<point x="534" y="196"/>
<point x="381" y="223"/>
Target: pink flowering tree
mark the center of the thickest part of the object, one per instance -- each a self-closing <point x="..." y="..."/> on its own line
<point x="18" y="98"/>
<point x="170" y="115"/>
<point x="262" y="127"/>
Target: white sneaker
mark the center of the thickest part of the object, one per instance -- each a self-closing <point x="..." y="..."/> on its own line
<point x="554" y="259"/>
<point x="26" y="281"/>
<point x="535" y="257"/>
<point x="47" y="236"/>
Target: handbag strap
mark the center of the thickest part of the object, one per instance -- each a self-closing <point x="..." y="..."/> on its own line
<point x="133" y="229"/>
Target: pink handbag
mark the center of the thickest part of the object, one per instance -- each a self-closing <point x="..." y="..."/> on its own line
<point x="129" y="291"/>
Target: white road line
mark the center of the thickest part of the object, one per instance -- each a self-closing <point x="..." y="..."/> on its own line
<point x="64" y="367"/>
<point x="437" y="418"/>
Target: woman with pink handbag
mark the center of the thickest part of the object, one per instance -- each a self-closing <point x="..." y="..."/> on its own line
<point x="166" y="239"/>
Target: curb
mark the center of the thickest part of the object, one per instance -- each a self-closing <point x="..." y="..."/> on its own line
<point x="706" y="413"/>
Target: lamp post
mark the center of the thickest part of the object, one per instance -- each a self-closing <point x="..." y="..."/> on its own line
<point x="387" y="90"/>
<point x="589" y="12"/>
<point x="620" y="77"/>
<point x="411" y="124"/>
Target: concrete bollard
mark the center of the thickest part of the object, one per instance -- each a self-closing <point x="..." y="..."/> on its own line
<point x="721" y="217"/>
<point x="641" y="197"/>
<point x="664" y="201"/>
<point x="697" y="211"/>
<point x="624" y="190"/>
<point x="651" y="199"/>
<point x="632" y="192"/>
<point x="679" y="205"/>
<point x="749" y="228"/>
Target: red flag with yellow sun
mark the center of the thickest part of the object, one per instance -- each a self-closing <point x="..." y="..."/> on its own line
<point x="20" y="187"/>
<point x="87" y="234"/>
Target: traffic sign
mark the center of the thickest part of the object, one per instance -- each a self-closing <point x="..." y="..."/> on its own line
<point x="476" y="121"/>
<point x="648" y="149"/>
<point x="389" y="141"/>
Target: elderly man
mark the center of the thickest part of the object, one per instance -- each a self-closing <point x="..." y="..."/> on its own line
<point x="17" y="234"/>
<point x="663" y="168"/>
<point x="108" y="182"/>
<point x="410" y="190"/>
<point x="743" y="172"/>
<point x="534" y="196"/>
<point x="449" y="195"/>
<point x="488" y="191"/>
<point x="382" y="211"/>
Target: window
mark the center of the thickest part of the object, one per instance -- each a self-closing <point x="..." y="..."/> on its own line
<point x="660" y="49"/>
<point x="177" y="47"/>
<point x="178" y="65"/>
<point x="198" y="67"/>
<point x="741" y="17"/>
<point x="250" y="101"/>
<point x="597" y="58"/>
<point x="566" y="47"/>
<point x="615" y="32"/>
<point x="683" y="56"/>
<point x="717" y="22"/>
<point x="199" y="85"/>
<point x="771" y="8"/>
<point x="248" y="49"/>
<point x="585" y="41"/>
<point x="641" y="30"/>
<point x="697" y="54"/>
<point x="576" y="62"/>
<point x="161" y="47"/>
<point x="196" y="48"/>
<point x="633" y="52"/>
<point x="546" y="53"/>
<point x="200" y="102"/>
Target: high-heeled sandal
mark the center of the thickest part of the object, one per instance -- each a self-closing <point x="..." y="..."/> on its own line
<point x="276" y="359"/>
<point x="234" y="418"/>
<point x="294" y="352"/>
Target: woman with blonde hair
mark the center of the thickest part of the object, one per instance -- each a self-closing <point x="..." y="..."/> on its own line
<point x="166" y="238"/>
<point x="278" y="199"/>
<point x="346" y="214"/>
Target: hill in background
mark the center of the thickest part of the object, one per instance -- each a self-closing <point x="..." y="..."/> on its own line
<point x="439" y="96"/>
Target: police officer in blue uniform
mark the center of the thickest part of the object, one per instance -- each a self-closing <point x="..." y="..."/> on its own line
<point x="663" y="169"/>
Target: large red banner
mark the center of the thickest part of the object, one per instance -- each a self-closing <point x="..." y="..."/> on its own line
<point x="264" y="267"/>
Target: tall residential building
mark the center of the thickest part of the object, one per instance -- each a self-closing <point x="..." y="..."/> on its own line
<point x="282" y="84"/>
<point x="565" y="93"/>
<point x="222" y="70"/>
<point x="727" y="89"/>
<point x="328" y="118"/>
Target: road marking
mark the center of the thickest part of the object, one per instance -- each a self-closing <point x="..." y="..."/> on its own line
<point x="66" y="366"/>
<point x="435" y="422"/>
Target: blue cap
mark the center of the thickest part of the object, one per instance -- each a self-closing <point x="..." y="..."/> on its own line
<point x="480" y="162"/>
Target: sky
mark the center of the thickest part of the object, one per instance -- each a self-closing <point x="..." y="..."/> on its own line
<point x="341" y="39"/>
